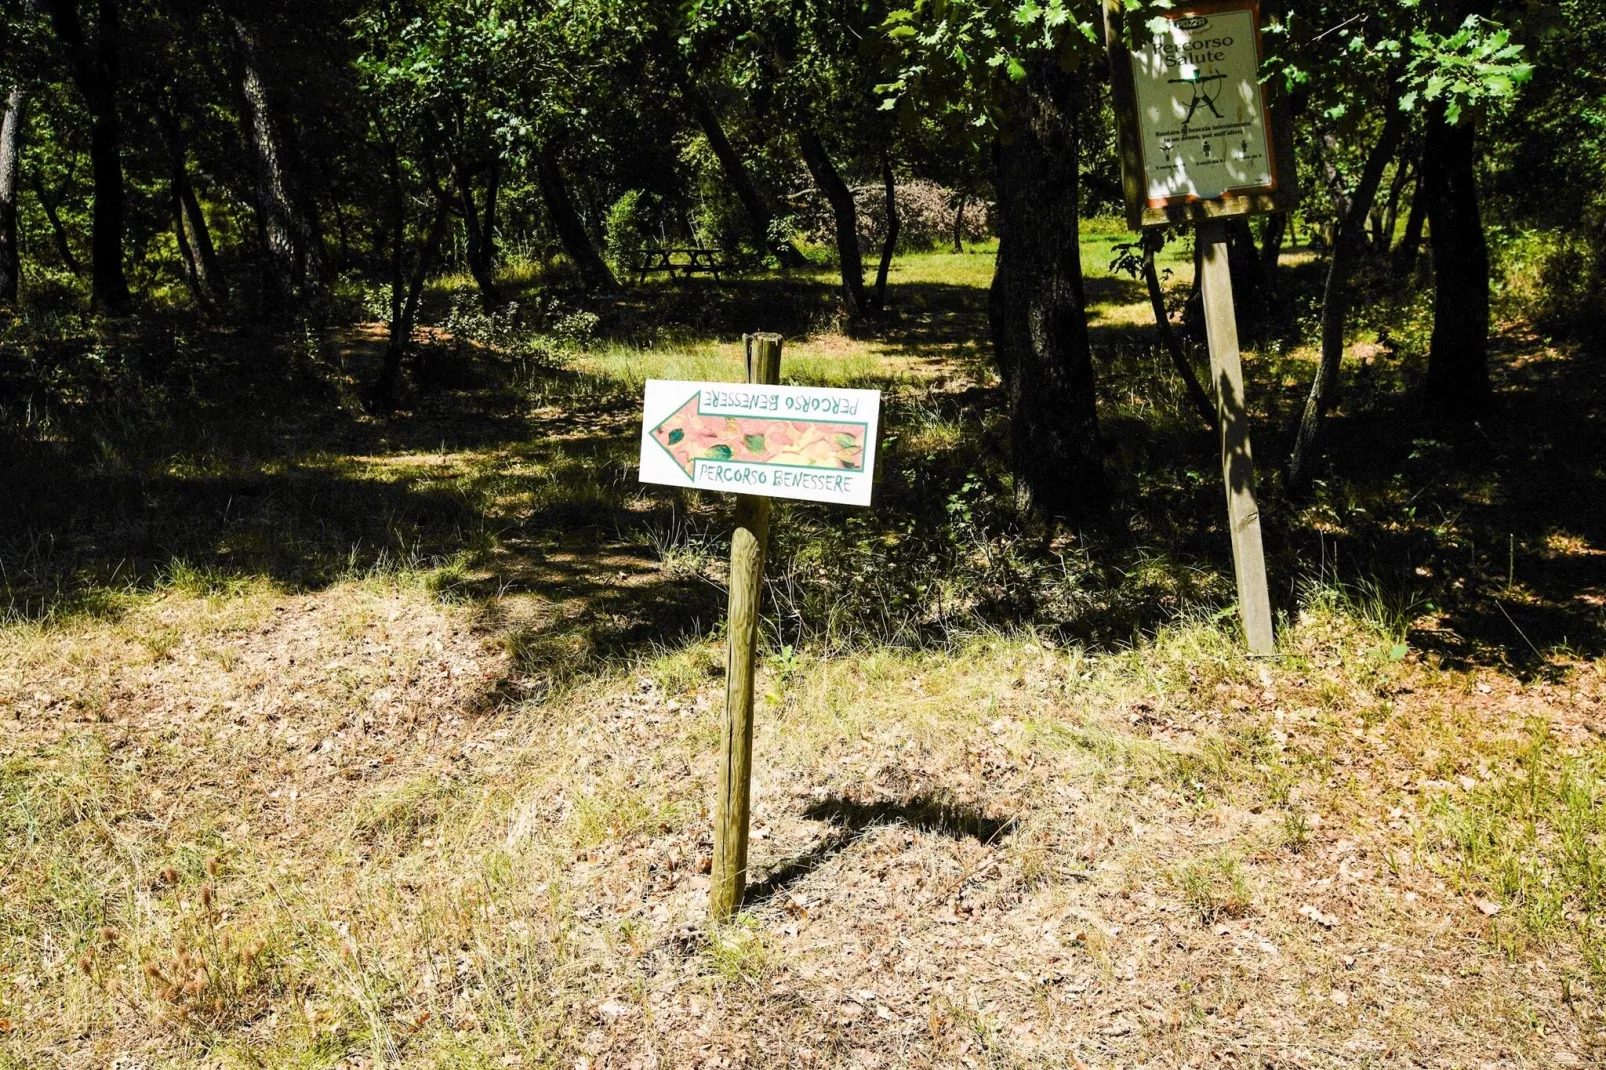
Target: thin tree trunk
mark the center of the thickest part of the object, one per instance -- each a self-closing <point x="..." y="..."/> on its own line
<point x="57" y="228"/>
<point x="1347" y="247"/>
<point x="493" y="190"/>
<point x="1403" y="260"/>
<point x="289" y="238"/>
<point x="845" y="212"/>
<point x="1271" y="247"/>
<point x="890" y="245"/>
<point x="1179" y="359"/>
<point x="759" y="216"/>
<point x="95" y="71"/>
<point x="959" y="223"/>
<point x="186" y="252"/>
<point x="478" y="252"/>
<point x="1243" y="261"/>
<point x="404" y="302"/>
<point x="1384" y="239"/>
<point x="194" y="237"/>
<point x="10" y="171"/>
<point x="200" y="235"/>
<point x="1458" y="355"/>
<point x="1037" y="305"/>
<point x="567" y="222"/>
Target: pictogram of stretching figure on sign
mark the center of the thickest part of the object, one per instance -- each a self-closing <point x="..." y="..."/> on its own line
<point x="1202" y="97"/>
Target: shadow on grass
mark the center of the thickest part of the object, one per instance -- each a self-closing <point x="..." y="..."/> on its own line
<point x="852" y="819"/>
<point x="239" y="451"/>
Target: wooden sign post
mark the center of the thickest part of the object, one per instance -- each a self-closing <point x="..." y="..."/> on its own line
<point x="762" y="441"/>
<point x="1198" y="146"/>
<point x="748" y="543"/>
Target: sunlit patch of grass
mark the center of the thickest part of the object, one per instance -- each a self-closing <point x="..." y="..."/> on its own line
<point x="623" y="369"/>
<point x="1533" y="839"/>
<point x="1214" y="887"/>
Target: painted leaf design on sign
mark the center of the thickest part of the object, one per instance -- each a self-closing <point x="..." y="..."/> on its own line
<point x="690" y="435"/>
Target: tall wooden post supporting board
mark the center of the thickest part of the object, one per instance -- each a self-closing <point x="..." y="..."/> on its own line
<point x="1237" y="464"/>
<point x="736" y="740"/>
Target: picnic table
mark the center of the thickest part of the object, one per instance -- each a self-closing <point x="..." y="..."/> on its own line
<point x="687" y="261"/>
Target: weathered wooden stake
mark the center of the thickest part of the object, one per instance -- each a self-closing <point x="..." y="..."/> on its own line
<point x="1237" y="465"/>
<point x="736" y="740"/>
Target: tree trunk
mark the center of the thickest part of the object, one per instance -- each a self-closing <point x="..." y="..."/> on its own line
<point x="1168" y="337"/>
<point x="959" y="223"/>
<point x="186" y="252"/>
<point x="1243" y="261"/>
<point x="1384" y="239"/>
<point x="759" y="216"/>
<point x="209" y="270"/>
<point x="407" y="293"/>
<point x="293" y="258"/>
<point x="493" y="191"/>
<point x="57" y="228"/>
<point x="890" y="245"/>
<point x="202" y="269"/>
<point x="1403" y="261"/>
<point x="568" y="224"/>
<point x="478" y="253"/>
<point x="1348" y="245"/>
<point x="1037" y="305"/>
<point x="1271" y="247"/>
<point x="10" y="171"/>
<point x="95" y="71"/>
<point x="844" y="211"/>
<point x="1458" y="356"/>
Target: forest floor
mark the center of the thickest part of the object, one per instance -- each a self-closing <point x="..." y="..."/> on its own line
<point x="336" y="741"/>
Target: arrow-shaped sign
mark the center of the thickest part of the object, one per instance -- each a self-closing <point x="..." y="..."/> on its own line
<point x="689" y="435"/>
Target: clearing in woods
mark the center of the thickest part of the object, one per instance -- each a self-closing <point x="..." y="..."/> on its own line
<point x="338" y="742"/>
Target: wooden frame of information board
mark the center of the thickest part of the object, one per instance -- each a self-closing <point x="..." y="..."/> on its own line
<point x="1280" y="194"/>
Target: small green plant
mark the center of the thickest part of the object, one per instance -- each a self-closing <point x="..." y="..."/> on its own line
<point x="1214" y="888"/>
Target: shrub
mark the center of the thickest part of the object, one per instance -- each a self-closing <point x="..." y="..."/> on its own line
<point x="925" y="216"/>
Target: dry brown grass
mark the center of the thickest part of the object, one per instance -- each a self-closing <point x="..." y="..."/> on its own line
<point x="302" y="833"/>
<point x="455" y="814"/>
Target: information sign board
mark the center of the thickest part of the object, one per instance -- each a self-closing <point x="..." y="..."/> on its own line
<point x="810" y="443"/>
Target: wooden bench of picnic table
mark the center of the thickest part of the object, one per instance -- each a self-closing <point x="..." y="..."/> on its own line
<point x="686" y="261"/>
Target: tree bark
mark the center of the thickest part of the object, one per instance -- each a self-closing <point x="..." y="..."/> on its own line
<point x="479" y="256"/>
<point x="95" y="72"/>
<point x="293" y="254"/>
<point x="407" y="291"/>
<point x="57" y="228"/>
<point x="10" y="170"/>
<point x="845" y="212"/>
<point x="1037" y="304"/>
<point x="890" y="245"/>
<point x="1348" y="245"/>
<point x="209" y="271"/>
<point x="1403" y="259"/>
<point x="959" y="223"/>
<point x="1384" y="238"/>
<point x="493" y="192"/>
<point x="759" y="216"/>
<point x="1458" y="355"/>
<point x="567" y="222"/>
<point x="194" y="236"/>
<point x="1271" y="247"/>
<point x="1168" y="337"/>
<point x="1243" y="261"/>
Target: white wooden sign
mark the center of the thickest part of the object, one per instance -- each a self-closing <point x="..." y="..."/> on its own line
<point x="1202" y="118"/>
<point x="812" y="443"/>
